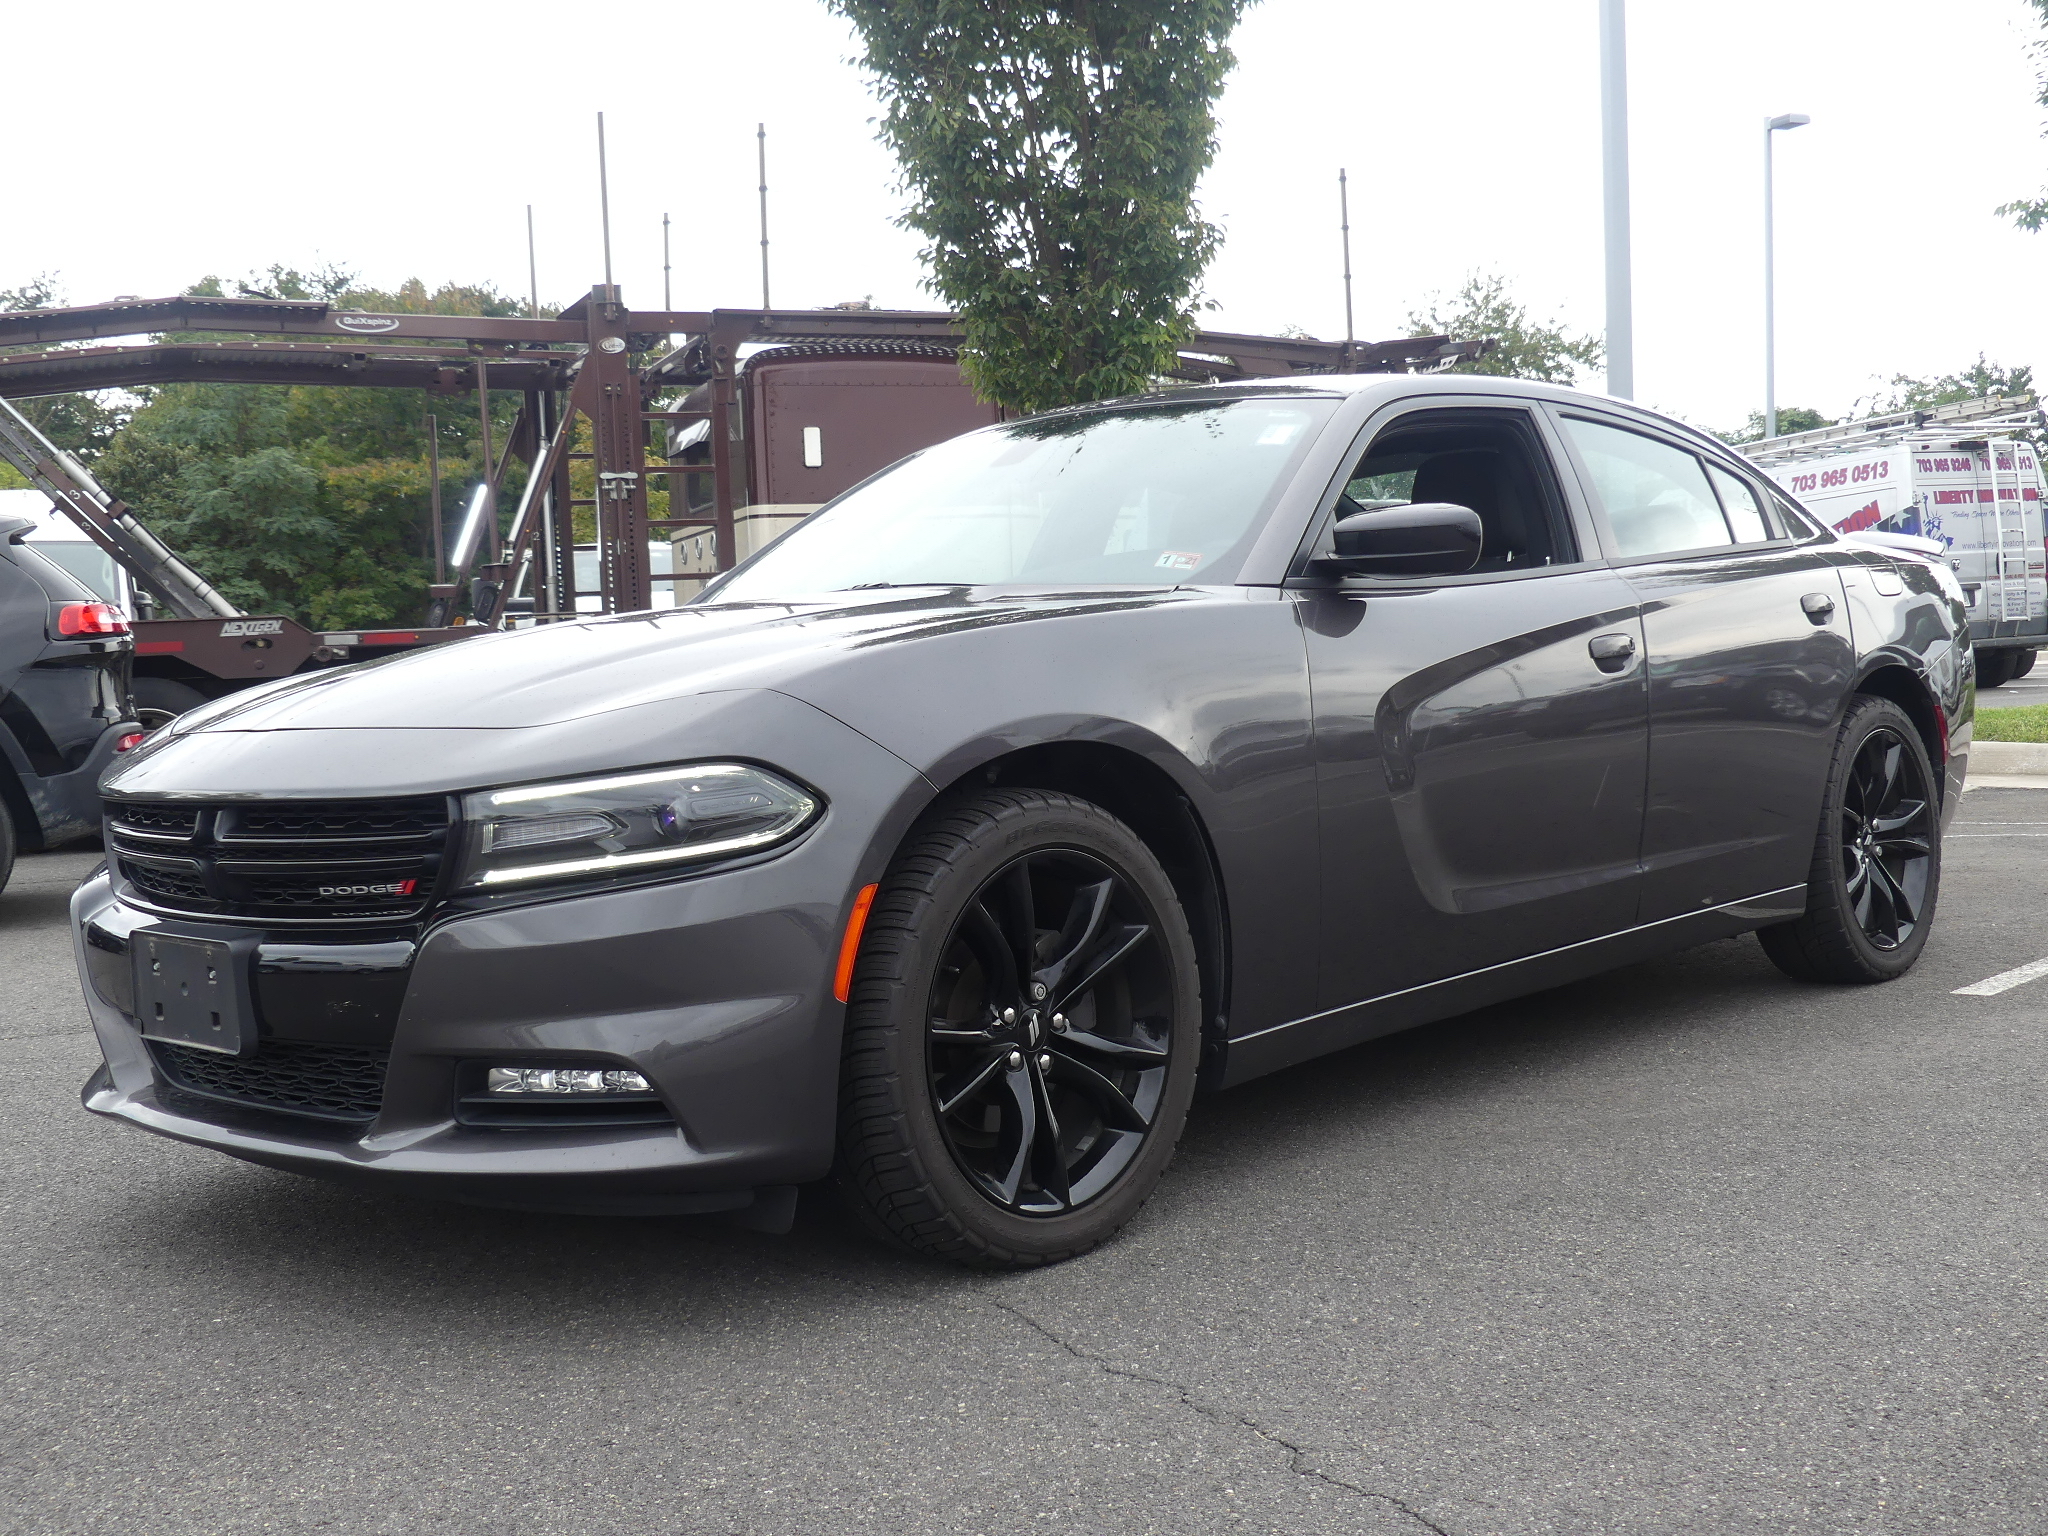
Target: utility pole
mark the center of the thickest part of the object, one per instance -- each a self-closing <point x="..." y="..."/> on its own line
<point x="1344" y="216"/>
<point x="604" y="204"/>
<point x="1621" y="338"/>
<point x="666" y="301"/>
<point x="532" y="269"/>
<point x="1772" y="125"/>
<point x="761" y="145"/>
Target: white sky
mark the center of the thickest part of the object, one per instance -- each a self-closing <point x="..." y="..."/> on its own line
<point x="155" y="143"/>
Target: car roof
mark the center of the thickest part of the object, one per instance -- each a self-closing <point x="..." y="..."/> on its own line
<point x="1448" y="385"/>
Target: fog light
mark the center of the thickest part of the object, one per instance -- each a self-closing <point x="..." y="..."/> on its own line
<point x="565" y="1080"/>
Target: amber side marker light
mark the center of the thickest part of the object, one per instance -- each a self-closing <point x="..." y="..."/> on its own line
<point x="849" y="947"/>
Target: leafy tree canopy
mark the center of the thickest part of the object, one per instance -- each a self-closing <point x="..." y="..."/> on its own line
<point x="307" y="500"/>
<point x="1526" y="350"/>
<point x="1791" y="418"/>
<point x="1981" y="378"/>
<point x="1050" y="151"/>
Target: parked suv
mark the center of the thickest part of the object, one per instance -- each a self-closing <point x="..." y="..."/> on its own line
<point x="64" y="705"/>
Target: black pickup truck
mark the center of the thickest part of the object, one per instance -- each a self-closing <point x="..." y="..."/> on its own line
<point x="64" y="698"/>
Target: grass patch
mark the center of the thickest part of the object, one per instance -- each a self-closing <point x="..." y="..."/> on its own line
<point x="2027" y="722"/>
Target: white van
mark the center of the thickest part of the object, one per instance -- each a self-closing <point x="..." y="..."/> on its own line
<point x="1966" y="475"/>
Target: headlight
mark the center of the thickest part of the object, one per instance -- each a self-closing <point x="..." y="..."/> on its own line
<point x="627" y="824"/>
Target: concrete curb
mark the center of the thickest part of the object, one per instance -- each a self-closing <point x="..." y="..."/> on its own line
<point x="2022" y="757"/>
<point x="2005" y="781"/>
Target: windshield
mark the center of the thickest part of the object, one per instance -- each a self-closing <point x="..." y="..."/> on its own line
<point x="1159" y="494"/>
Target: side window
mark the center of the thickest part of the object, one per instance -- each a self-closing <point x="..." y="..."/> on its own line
<point x="1793" y="518"/>
<point x="1490" y="462"/>
<point x="1657" y="498"/>
<point x="1745" y="516"/>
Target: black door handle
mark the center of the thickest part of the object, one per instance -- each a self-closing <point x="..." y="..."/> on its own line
<point x="1818" y="606"/>
<point x="1611" y="653"/>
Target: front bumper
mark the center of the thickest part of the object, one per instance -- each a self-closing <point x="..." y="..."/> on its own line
<point x="718" y="988"/>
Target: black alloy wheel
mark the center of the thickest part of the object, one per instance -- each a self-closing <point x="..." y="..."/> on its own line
<point x="1022" y="1034"/>
<point x="1048" y="1046"/>
<point x="1887" y="839"/>
<point x="1877" y="860"/>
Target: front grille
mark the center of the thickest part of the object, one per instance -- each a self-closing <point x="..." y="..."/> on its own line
<point x="325" y="1082"/>
<point x="287" y="860"/>
<point x="165" y="820"/>
<point x="166" y="880"/>
<point x="337" y="819"/>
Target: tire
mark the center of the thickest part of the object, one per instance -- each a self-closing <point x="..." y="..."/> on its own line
<point x="1996" y="668"/>
<point x="1009" y="1143"/>
<point x="7" y="847"/>
<point x="2024" y="665"/>
<point x="1876" y="872"/>
<point x="159" y="700"/>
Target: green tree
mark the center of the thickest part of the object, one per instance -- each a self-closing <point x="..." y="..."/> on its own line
<point x="1791" y="418"/>
<point x="2030" y="213"/>
<point x="1979" y="379"/>
<point x="310" y="500"/>
<point x="1525" y="349"/>
<point x="1050" y="152"/>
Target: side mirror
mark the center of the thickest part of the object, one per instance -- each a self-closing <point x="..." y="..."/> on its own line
<point x="1425" y="538"/>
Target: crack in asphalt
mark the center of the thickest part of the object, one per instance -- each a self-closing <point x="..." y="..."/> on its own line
<point x="1297" y="1456"/>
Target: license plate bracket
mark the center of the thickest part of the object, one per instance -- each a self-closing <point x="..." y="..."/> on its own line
<point x="193" y="991"/>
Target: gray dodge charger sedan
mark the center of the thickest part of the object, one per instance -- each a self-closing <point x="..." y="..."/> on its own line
<point x="947" y="846"/>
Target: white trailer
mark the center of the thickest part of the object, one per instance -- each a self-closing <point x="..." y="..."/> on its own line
<point x="1967" y="475"/>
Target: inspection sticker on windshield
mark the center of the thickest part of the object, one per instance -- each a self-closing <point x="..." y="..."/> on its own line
<point x="1279" y="434"/>
<point x="1178" y="560"/>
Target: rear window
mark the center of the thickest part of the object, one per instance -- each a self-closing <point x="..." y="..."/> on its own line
<point x="86" y="562"/>
<point x="57" y="583"/>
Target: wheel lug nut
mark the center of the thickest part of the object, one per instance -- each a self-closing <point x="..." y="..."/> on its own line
<point x="1045" y="1061"/>
<point x="1009" y="1015"/>
<point x="1037" y="990"/>
<point x="1059" y="1022"/>
<point x="1016" y="1060"/>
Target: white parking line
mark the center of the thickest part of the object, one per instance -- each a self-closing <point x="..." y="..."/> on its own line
<point x="2004" y="981"/>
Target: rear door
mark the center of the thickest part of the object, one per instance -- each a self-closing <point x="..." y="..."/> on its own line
<point x="1750" y="658"/>
<point x="1481" y="739"/>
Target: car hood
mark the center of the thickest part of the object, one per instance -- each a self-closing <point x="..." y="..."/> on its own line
<point x="570" y="671"/>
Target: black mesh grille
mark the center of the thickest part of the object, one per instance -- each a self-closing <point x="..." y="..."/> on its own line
<point x="346" y="860"/>
<point x="336" y="818"/>
<point x="180" y="885"/>
<point x="177" y="821"/>
<point x="327" y="1082"/>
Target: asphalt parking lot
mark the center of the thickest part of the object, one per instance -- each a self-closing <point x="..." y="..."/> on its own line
<point x="1687" y="1248"/>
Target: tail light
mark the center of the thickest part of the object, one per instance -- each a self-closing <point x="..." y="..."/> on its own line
<point x="91" y="619"/>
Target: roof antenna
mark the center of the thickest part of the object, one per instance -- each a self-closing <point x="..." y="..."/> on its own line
<point x="1344" y="213"/>
<point x="666" y="301"/>
<point x="604" y="202"/>
<point x="532" y="268"/>
<point x="761" y="144"/>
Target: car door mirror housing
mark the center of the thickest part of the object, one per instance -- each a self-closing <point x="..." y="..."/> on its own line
<point x="1428" y="538"/>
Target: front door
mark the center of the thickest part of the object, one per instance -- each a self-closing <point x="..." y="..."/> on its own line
<point x="1750" y="655"/>
<point x="1480" y="740"/>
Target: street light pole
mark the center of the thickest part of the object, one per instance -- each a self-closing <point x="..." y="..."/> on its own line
<point x="1621" y="343"/>
<point x="1772" y="125"/>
